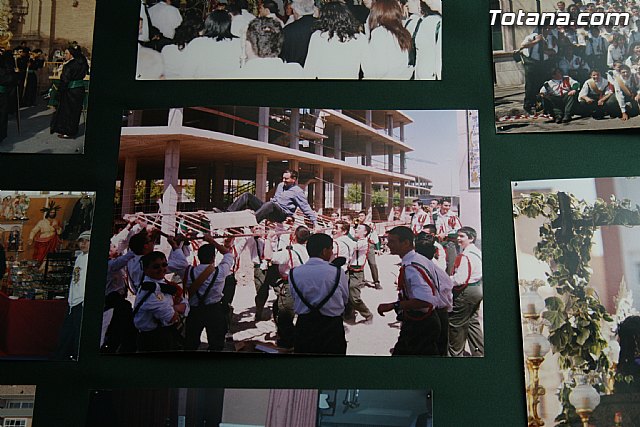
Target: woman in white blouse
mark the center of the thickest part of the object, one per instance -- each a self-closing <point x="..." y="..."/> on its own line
<point x="387" y="54"/>
<point x="217" y="53"/>
<point x="337" y="46"/>
<point x="174" y="55"/>
<point x="425" y="26"/>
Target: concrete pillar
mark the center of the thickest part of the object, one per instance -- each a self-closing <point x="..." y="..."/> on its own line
<point x="389" y="124"/>
<point x="128" y="190"/>
<point x="402" y="189"/>
<point x="294" y="165"/>
<point x="218" y="185"/>
<point x="403" y="161"/>
<point x="171" y="164"/>
<point x="338" y="191"/>
<point x="390" y="195"/>
<point x="390" y="158"/>
<point x="135" y="118"/>
<point x="263" y="122"/>
<point x="368" y="190"/>
<point x="337" y="142"/>
<point x="203" y="187"/>
<point x="402" y="131"/>
<point x="318" y="147"/>
<point x="368" y="150"/>
<point x="261" y="176"/>
<point x="175" y="117"/>
<point x="318" y="189"/>
<point x="368" y="117"/>
<point x="294" y="128"/>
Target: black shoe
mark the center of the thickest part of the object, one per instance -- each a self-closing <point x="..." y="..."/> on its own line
<point x="566" y="119"/>
<point x="558" y="119"/>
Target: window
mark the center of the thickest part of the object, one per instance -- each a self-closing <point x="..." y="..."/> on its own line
<point x="20" y="404"/>
<point x="15" y="422"/>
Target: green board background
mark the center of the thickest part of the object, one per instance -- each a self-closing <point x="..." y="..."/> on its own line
<point x="467" y="392"/>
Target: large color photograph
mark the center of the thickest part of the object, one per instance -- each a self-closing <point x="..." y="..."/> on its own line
<point x="44" y="250"/>
<point x="280" y="230"/>
<point x="290" y="39"/>
<point x="231" y="407"/>
<point x="575" y="69"/>
<point x="45" y="56"/>
<point x="578" y="270"/>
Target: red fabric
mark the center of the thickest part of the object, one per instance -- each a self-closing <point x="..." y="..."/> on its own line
<point x="30" y="327"/>
<point x="42" y="248"/>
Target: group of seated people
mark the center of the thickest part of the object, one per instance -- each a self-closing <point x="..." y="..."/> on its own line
<point x="379" y="39"/>
<point x="589" y="70"/>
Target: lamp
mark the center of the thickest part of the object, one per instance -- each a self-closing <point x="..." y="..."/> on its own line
<point x="535" y="346"/>
<point x="584" y="398"/>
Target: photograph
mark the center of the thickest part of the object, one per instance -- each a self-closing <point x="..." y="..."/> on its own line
<point x="243" y="407"/>
<point x="44" y="251"/>
<point x="296" y="230"/>
<point x="578" y="261"/>
<point x="45" y="57"/>
<point x="565" y="66"/>
<point x="290" y="39"/>
<point x="16" y="405"/>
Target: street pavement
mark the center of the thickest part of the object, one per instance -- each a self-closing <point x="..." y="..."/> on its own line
<point x="34" y="136"/>
<point x="508" y="102"/>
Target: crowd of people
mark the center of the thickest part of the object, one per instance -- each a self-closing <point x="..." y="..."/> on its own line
<point x="589" y="70"/>
<point x="317" y="274"/>
<point x="294" y="39"/>
<point x="19" y="86"/>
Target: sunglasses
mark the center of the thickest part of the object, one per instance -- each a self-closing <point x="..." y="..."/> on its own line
<point x="157" y="266"/>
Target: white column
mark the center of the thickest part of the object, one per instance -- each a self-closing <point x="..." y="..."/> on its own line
<point x="261" y="176"/>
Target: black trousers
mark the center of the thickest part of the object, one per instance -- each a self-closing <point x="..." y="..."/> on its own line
<point x="70" y="334"/>
<point x="164" y="338"/>
<point x="268" y="210"/>
<point x="419" y="337"/>
<point x="121" y="334"/>
<point x="319" y="334"/>
<point x="213" y="318"/>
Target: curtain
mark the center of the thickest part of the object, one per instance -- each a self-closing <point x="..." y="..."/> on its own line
<point x="289" y="408"/>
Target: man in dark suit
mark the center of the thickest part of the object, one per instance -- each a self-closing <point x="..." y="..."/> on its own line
<point x="298" y="33"/>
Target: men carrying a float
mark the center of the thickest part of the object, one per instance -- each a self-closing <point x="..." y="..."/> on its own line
<point x="320" y="293"/>
<point x="424" y="293"/>
<point x="205" y="283"/>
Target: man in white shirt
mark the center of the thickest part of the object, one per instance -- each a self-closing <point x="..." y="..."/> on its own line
<point x="593" y="96"/>
<point x="559" y="96"/>
<point x="464" y="324"/>
<point x="627" y="94"/>
<point x="165" y="17"/>
<point x="424" y="291"/>
<point x="70" y="332"/>
<point x="320" y="294"/>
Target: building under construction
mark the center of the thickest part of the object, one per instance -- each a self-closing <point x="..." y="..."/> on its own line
<point x="223" y="151"/>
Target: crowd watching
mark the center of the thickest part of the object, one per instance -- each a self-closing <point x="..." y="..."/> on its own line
<point x="378" y="39"/>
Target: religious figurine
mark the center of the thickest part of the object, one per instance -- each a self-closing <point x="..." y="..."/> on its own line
<point x="21" y="205"/>
<point x="47" y="231"/>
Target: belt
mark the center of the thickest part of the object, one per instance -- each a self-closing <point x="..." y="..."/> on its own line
<point x="478" y="283"/>
<point x="355" y="267"/>
<point x="74" y="84"/>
